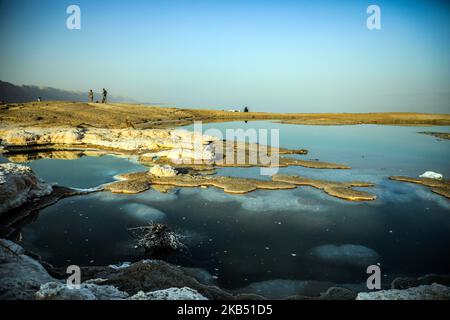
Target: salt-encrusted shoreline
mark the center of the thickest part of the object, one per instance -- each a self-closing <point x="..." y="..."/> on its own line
<point x="154" y="146"/>
<point x="125" y="140"/>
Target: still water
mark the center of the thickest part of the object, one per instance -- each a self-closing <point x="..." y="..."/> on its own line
<point x="268" y="241"/>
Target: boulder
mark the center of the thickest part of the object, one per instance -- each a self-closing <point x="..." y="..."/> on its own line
<point x="87" y="291"/>
<point x="20" y="275"/>
<point x="19" y="184"/>
<point x="163" y="171"/>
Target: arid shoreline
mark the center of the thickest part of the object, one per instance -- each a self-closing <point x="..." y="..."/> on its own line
<point x="119" y="115"/>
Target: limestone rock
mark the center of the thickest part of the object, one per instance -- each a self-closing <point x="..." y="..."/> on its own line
<point x="184" y="293"/>
<point x="39" y="136"/>
<point x="191" y="144"/>
<point x="19" y="184"/>
<point x="87" y="291"/>
<point x="163" y="171"/>
<point x="424" y="292"/>
<point x="20" y="275"/>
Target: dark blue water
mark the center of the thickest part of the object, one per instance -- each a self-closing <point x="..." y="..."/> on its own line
<point x="252" y="239"/>
<point x="84" y="172"/>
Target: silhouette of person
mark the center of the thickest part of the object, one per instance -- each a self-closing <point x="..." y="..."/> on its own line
<point x="91" y="95"/>
<point x="105" y="95"/>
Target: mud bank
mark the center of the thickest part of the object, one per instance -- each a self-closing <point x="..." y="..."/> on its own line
<point x="439" y="135"/>
<point x="140" y="181"/>
<point x="441" y="187"/>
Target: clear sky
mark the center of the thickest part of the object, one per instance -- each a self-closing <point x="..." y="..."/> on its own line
<point x="290" y="56"/>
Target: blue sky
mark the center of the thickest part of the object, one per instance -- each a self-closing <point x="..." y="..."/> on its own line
<point x="290" y="56"/>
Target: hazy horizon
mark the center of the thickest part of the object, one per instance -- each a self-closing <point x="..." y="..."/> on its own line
<point x="285" y="56"/>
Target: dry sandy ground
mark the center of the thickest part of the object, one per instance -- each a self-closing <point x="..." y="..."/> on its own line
<point x="60" y="113"/>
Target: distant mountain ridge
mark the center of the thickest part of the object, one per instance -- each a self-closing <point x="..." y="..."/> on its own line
<point x="26" y="93"/>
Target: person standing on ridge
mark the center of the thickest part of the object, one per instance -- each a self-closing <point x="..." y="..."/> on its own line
<point x="91" y="95"/>
<point x="105" y="94"/>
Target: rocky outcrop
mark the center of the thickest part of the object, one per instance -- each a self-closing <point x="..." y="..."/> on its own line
<point x="184" y="293"/>
<point x="163" y="171"/>
<point x="159" y="146"/>
<point x="87" y="291"/>
<point x="19" y="184"/>
<point x="20" y="275"/>
<point x="234" y="154"/>
<point x="38" y="136"/>
<point x="424" y="292"/>
<point x="182" y="142"/>
<point x="152" y="275"/>
<point x="93" y="291"/>
<point x="24" y="278"/>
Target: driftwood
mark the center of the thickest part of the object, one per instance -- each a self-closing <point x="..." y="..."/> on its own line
<point x="157" y="239"/>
